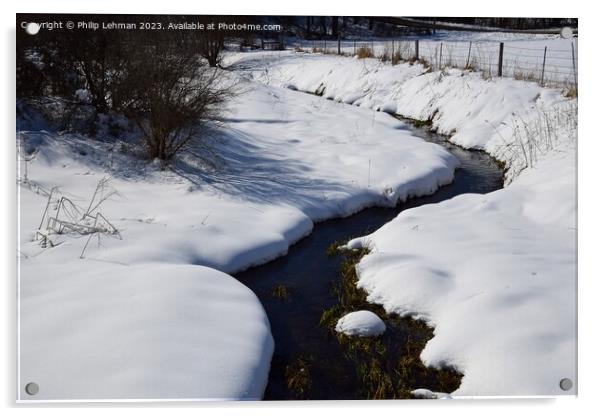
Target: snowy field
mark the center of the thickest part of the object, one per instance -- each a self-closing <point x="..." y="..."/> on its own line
<point x="149" y="312"/>
<point x="523" y="54"/>
<point x="148" y="309"/>
<point x="495" y="274"/>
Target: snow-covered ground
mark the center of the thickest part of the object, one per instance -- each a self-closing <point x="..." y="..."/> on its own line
<point x="523" y="53"/>
<point x="149" y="312"/>
<point x="494" y="115"/>
<point x="152" y="314"/>
<point x="494" y="274"/>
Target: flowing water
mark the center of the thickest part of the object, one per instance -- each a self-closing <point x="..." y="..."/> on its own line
<point x="309" y="273"/>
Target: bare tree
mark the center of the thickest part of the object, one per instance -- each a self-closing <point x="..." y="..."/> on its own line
<point x="335" y="26"/>
<point x="211" y="46"/>
<point x="97" y="60"/>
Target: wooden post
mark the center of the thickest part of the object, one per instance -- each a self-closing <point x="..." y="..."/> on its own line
<point x="440" y="53"/>
<point x="339" y="45"/>
<point x="574" y="65"/>
<point x="392" y="52"/>
<point x="468" y="59"/>
<point x="543" y="67"/>
<point x="417" y="56"/>
<point x="354" y="47"/>
<point x="372" y="46"/>
<point x="324" y="49"/>
<point x="500" y="63"/>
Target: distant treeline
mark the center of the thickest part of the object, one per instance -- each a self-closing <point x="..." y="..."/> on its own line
<point x="519" y="23"/>
<point x="318" y="27"/>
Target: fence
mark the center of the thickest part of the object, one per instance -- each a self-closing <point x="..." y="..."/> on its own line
<point x="549" y="65"/>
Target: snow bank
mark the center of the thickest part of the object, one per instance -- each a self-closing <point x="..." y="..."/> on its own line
<point x="361" y="324"/>
<point x="475" y="113"/>
<point x="287" y="160"/>
<point x="93" y="330"/>
<point x="428" y="394"/>
<point x="523" y="53"/>
<point x="139" y="317"/>
<point x="494" y="274"/>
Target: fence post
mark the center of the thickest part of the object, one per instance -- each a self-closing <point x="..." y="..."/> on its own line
<point x="574" y="66"/>
<point x="372" y="46"/>
<point x="354" y="48"/>
<point x="468" y="59"/>
<point x="543" y="67"/>
<point x="262" y="45"/>
<point x="417" y="56"/>
<point x="339" y="45"/>
<point x="324" y="49"/>
<point x="501" y="60"/>
<point x="440" y="53"/>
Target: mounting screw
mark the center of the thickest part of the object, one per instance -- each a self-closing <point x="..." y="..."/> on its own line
<point x="32" y="389"/>
<point x="566" y="384"/>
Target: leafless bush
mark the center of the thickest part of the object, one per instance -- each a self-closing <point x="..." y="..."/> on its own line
<point x="211" y="47"/>
<point x="172" y="95"/>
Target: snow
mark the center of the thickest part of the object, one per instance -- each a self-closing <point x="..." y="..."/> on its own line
<point x="152" y="314"/>
<point x="93" y="331"/>
<point x="361" y="324"/>
<point x="475" y="113"/>
<point x="523" y="53"/>
<point x="428" y="394"/>
<point x="495" y="274"/>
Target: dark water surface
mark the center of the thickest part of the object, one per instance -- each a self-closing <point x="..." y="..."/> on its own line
<point x="308" y="273"/>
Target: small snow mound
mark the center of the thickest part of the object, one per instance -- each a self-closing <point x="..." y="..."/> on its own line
<point x="361" y="323"/>
<point x="355" y="244"/>
<point x="428" y="394"/>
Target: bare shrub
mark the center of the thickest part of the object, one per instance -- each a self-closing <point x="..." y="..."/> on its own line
<point x="172" y="95"/>
<point x="211" y="47"/>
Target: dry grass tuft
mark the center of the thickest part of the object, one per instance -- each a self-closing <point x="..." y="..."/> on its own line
<point x="364" y="52"/>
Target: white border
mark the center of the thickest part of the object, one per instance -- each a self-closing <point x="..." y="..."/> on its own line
<point x="590" y="210"/>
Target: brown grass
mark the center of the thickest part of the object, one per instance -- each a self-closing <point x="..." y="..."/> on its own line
<point x="298" y="377"/>
<point x="364" y="52"/>
<point x="570" y="92"/>
<point x="281" y="292"/>
<point x="389" y="366"/>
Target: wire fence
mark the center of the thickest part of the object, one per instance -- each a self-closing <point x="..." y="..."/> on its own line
<point x="549" y="66"/>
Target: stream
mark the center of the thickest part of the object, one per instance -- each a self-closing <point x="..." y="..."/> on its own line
<point x="308" y="274"/>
